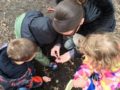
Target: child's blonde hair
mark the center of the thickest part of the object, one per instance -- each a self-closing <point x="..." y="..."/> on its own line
<point x="103" y="48"/>
<point x="21" y="49"/>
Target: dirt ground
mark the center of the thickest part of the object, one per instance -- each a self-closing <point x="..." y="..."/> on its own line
<point x="9" y="9"/>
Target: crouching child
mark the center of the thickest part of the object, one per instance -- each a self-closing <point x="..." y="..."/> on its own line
<point x="16" y="65"/>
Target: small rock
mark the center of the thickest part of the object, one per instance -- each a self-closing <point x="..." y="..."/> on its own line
<point x="57" y="81"/>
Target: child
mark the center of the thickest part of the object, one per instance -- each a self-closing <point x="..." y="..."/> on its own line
<point x="16" y="65"/>
<point x="101" y="62"/>
<point x="36" y="27"/>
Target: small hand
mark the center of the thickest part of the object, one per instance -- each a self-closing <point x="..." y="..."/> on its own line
<point x="46" y="79"/>
<point x="63" y="58"/>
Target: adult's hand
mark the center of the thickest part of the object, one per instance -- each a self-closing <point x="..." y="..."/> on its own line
<point x="55" y="51"/>
<point x="64" y="58"/>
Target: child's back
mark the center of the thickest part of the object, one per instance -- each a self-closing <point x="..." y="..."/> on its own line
<point x="16" y="65"/>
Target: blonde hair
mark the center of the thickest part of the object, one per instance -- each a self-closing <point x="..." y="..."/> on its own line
<point x="21" y="49"/>
<point x="103" y="48"/>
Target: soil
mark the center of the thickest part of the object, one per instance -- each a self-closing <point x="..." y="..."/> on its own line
<point x="10" y="9"/>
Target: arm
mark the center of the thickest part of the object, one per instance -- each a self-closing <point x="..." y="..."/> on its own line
<point x="107" y="14"/>
<point x="41" y="58"/>
<point x="22" y="81"/>
<point x="27" y="80"/>
<point x="71" y="54"/>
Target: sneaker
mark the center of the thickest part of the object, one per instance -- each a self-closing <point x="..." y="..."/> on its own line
<point x="53" y="66"/>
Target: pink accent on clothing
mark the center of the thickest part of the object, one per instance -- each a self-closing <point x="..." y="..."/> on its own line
<point x="108" y="80"/>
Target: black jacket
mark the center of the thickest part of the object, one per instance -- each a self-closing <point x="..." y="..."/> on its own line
<point x="98" y="14"/>
<point x="10" y="69"/>
<point x="13" y="75"/>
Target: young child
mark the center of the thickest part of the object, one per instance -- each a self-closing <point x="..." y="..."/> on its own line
<point x="16" y="65"/>
<point x="101" y="62"/>
<point x="36" y="27"/>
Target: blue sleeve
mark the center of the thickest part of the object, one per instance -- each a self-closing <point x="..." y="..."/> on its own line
<point x="75" y="54"/>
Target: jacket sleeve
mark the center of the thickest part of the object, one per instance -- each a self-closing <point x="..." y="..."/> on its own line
<point x="59" y="39"/>
<point x="27" y="80"/>
<point x="41" y="58"/>
<point x="22" y="81"/>
<point x="106" y="18"/>
<point x="74" y="53"/>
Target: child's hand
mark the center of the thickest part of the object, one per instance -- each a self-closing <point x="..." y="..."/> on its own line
<point x="79" y="83"/>
<point x="46" y="79"/>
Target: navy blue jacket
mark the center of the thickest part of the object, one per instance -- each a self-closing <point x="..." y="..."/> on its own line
<point x="11" y="70"/>
<point x="39" y="28"/>
<point x="13" y="75"/>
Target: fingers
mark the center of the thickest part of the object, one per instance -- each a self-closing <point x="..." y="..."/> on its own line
<point x="58" y="61"/>
<point x="57" y="53"/>
<point x="53" y="53"/>
<point x="63" y="58"/>
<point x="46" y="79"/>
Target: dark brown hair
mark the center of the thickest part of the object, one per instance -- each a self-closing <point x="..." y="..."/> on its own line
<point x="68" y="14"/>
<point x="21" y="49"/>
